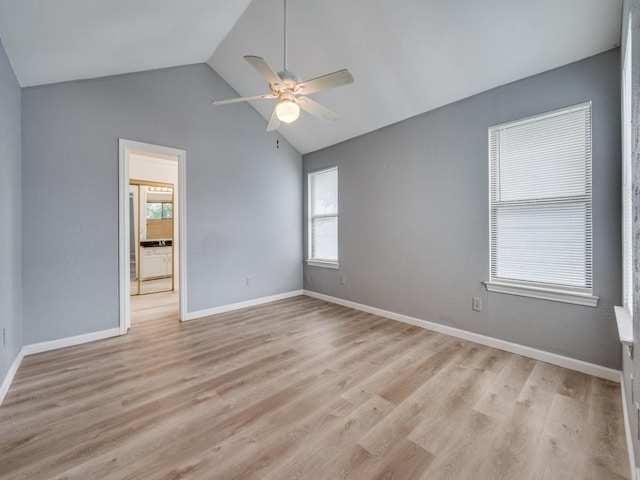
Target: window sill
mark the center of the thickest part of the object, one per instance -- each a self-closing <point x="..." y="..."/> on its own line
<point x="625" y="325"/>
<point x="543" y="294"/>
<point x="324" y="264"/>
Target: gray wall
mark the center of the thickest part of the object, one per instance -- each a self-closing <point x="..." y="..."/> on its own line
<point x="414" y="227"/>
<point x="10" y="213"/>
<point x="632" y="366"/>
<point x="243" y="195"/>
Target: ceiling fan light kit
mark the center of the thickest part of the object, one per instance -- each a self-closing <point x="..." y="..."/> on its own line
<point x="287" y="111"/>
<point x="291" y="91"/>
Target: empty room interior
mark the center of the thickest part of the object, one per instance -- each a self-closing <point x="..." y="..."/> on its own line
<point x="277" y="239"/>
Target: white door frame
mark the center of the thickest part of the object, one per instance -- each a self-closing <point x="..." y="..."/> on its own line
<point x="125" y="148"/>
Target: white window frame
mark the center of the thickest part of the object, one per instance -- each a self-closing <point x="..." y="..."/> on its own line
<point x="559" y="293"/>
<point x="319" y="262"/>
<point x="627" y="180"/>
<point x="624" y="314"/>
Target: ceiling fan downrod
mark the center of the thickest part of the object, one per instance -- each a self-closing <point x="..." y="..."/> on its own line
<point x="285" y="35"/>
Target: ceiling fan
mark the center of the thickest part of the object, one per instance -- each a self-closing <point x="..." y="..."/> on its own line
<point x="291" y="91"/>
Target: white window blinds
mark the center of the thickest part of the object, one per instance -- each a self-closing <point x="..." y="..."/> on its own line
<point x="540" y="201"/>
<point x="323" y="215"/>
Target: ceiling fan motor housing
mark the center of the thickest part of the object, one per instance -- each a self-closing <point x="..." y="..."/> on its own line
<point x="289" y="79"/>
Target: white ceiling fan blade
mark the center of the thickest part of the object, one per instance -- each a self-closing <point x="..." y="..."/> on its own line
<point x="274" y="122"/>
<point x="244" y="99"/>
<point x="331" y="80"/>
<point x="264" y="69"/>
<point x="317" y="110"/>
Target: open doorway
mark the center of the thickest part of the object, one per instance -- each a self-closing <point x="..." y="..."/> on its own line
<point x="152" y="227"/>
<point x="154" y="232"/>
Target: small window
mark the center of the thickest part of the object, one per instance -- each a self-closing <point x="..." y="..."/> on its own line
<point x="167" y="210"/>
<point x="540" y="207"/>
<point x="159" y="210"/>
<point x="323" y="217"/>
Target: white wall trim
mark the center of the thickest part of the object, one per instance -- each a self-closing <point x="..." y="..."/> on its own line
<point x="51" y="345"/>
<point x="323" y="264"/>
<point x="125" y="147"/>
<point x="6" y="383"/>
<point x="543" y="293"/>
<point x="70" y="341"/>
<point x="624" y="320"/>
<point x="627" y="431"/>
<point x="237" y="306"/>
<point x="555" y="359"/>
<point x="124" y="287"/>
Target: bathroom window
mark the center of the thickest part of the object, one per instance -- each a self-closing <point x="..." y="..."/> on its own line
<point x="159" y="210"/>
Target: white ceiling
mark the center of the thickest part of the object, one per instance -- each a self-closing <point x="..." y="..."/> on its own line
<point x="407" y="56"/>
<point x="51" y="41"/>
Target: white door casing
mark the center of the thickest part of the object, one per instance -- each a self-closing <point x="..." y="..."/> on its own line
<point x="126" y="147"/>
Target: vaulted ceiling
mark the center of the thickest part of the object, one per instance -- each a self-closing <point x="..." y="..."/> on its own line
<point x="407" y="56"/>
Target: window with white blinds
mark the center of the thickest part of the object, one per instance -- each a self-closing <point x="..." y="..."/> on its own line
<point x="540" y="206"/>
<point x="323" y="217"/>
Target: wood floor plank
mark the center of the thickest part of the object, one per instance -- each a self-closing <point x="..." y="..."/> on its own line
<point x="409" y="414"/>
<point x="260" y="450"/>
<point x="464" y="453"/>
<point x="413" y="350"/>
<point x="440" y="425"/>
<point x="413" y="379"/>
<point x="506" y="387"/>
<point x="302" y="388"/>
<point x="607" y="441"/>
<point x="509" y="457"/>
<point x="332" y="446"/>
<point x="404" y="461"/>
<point x="561" y="446"/>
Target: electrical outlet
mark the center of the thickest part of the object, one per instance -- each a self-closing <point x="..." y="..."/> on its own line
<point x="343" y="279"/>
<point x="248" y="281"/>
<point x="477" y="304"/>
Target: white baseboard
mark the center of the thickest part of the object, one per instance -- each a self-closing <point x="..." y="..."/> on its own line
<point x="237" y="306"/>
<point x="6" y="383"/>
<point x="69" y="341"/>
<point x="51" y="345"/>
<point x="555" y="359"/>
<point x="627" y="432"/>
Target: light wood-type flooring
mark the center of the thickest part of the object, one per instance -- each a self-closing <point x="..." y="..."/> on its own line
<point x="152" y="286"/>
<point x="302" y="389"/>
